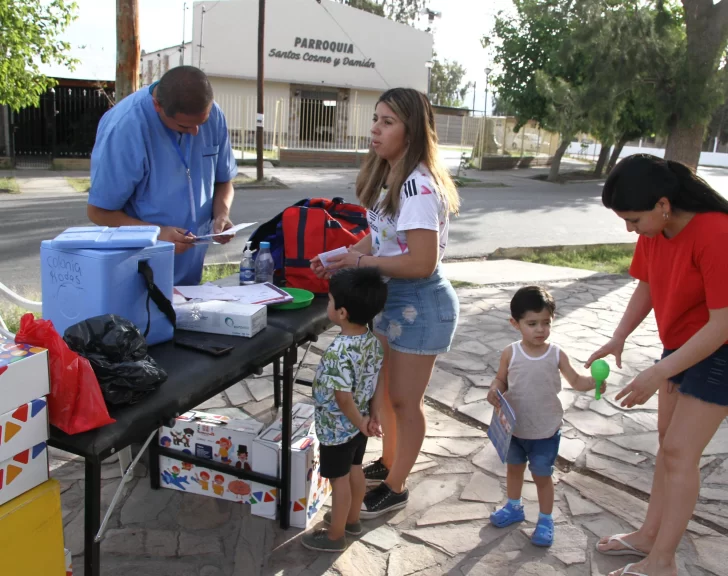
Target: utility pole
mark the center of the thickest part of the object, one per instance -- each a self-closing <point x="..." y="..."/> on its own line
<point x="127" y="48"/>
<point x="202" y="31"/>
<point x="182" y="56"/>
<point x="259" y="121"/>
<point x="475" y="91"/>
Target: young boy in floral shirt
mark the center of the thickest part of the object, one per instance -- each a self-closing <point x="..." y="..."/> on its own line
<point x="345" y="382"/>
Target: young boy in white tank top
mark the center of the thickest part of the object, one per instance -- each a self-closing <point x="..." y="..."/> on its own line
<point x="529" y="376"/>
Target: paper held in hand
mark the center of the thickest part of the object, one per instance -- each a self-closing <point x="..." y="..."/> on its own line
<point x="210" y="238"/>
<point x="326" y="255"/>
<point x="501" y="427"/>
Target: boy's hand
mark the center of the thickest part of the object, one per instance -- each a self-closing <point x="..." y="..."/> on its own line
<point x="364" y="426"/>
<point x="375" y="428"/>
<point x="493" y="396"/>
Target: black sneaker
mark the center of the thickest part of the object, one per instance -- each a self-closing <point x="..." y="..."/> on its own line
<point x="375" y="472"/>
<point x="382" y="500"/>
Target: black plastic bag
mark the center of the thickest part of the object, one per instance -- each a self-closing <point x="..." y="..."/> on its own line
<point x="117" y="352"/>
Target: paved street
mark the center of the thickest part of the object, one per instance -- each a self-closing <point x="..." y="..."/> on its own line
<point x="457" y="481"/>
<point x="525" y="213"/>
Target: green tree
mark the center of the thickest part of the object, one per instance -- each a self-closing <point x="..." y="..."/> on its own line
<point x="446" y="87"/>
<point x="403" y="11"/>
<point x="29" y="36"/>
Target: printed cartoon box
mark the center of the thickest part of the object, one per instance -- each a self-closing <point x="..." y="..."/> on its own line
<point x="308" y="489"/>
<point x="213" y="437"/>
<point x="24" y="471"/>
<point x="23" y="374"/>
<point x="31" y="533"/>
<point x="23" y="428"/>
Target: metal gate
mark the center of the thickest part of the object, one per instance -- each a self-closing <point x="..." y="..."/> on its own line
<point x="63" y="125"/>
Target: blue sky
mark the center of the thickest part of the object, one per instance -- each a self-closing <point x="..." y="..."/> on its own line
<point x="93" y="35"/>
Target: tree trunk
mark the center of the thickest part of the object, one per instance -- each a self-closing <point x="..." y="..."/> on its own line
<point x="556" y="160"/>
<point x="615" y="154"/>
<point x="684" y="144"/>
<point x="603" y="156"/>
<point x="127" y="48"/>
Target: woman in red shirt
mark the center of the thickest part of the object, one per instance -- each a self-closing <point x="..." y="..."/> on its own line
<point x="681" y="262"/>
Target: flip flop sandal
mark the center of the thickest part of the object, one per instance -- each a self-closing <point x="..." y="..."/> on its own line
<point x="628" y="550"/>
<point x="628" y="571"/>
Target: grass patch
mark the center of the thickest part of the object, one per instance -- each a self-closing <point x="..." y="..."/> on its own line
<point x="11" y="313"/>
<point x="463" y="182"/>
<point x="608" y="259"/>
<point x="241" y="179"/>
<point x="82" y="185"/>
<point x="462" y="284"/>
<point x="214" y="272"/>
<point x="9" y="186"/>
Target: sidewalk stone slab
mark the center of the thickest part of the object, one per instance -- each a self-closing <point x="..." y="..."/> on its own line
<point x="449" y="513"/>
<point x="445" y="388"/>
<point x="593" y="424"/>
<point x="647" y="443"/>
<point x="476" y="395"/>
<point x="451" y="447"/>
<point x="719" y="475"/>
<point x="719" y="443"/>
<point x="198" y="544"/>
<point x="454" y="466"/>
<point x="603" y="408"/>
<point x="569" y="544"/>
<point x="457" y="539"/>
<point x="384" y="538"/>
<point x="461" y="361"/>
<point x="426" y="494"/>
<point x="145" y="504"/>
<point x="626" y="474"/>
<point x="123" y="542"/>
<point x="219" y="401"/>
<point x="606" y="448"/>
<point x="580" y="507"/>
<point x="482" y="488"/>
<point x="441" y="425"/>
<point x="571" y="449"/>
<point x="358" y="560"/>
<point x="162" y="543"/>
<point x="647" y="420"/>
<point x="238" y="394"/>
<point x="411" y="559"/>
<point x="714" y="494"/>
<point x="480" y="411"/>
<point x="713" y="554"/>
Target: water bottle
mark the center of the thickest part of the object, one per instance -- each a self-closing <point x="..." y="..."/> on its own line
<point x="264" y="264"/>
<point x="247" y="267"/>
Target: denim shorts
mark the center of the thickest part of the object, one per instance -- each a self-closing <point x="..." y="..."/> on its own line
<point x="540" y="454"/>
<point x="707" y="380"/>
<point x="420" y="315"/>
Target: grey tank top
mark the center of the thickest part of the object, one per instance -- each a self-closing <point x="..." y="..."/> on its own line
<point x="533" y="388"/>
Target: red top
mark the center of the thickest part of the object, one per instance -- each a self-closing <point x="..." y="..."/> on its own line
<point x="687" y="274"/>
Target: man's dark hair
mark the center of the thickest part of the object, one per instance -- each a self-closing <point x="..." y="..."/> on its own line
<point x="184" y="90"/>
<point x="362" y="291"/>
<point x="531" y="299"/>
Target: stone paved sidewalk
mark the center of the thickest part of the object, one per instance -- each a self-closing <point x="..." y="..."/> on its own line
<point x="457" y="481"/>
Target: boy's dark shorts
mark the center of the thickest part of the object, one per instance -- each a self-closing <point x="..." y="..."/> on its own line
<point x="337" y="460"/>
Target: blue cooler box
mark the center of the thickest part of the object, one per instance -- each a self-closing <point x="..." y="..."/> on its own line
<point x="81" y="284"/>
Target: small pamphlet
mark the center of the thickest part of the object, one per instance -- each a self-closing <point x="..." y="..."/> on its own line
<point x="264" y="293"/>
<point x="501" y="427"/>
<point x="326" y="255"/>
<point x="210" y="238"/>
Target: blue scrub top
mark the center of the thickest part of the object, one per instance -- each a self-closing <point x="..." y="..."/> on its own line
<point x="136" y="167"/>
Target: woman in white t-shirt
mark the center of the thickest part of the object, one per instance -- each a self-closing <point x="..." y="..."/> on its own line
<point x="409" y="195"/>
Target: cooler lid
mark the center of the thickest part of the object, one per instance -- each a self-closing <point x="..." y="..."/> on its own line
<point x="105" y="238"/>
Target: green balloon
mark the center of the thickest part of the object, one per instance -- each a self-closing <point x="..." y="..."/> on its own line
<point x="600" y="370"/>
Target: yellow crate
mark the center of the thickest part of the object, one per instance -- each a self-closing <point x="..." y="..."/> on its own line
<point x="31" y="533"/>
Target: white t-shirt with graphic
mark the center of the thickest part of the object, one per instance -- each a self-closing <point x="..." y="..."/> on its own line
<point x="421" y="207"/>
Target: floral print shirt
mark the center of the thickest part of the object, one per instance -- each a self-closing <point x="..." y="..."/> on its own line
<point x="350" y="364"/>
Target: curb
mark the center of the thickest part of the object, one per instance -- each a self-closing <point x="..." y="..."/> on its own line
<point x="519" y="252"/>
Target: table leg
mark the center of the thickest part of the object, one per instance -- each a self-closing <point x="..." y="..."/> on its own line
<point x="92" y="521"/>
<point x="154" y="462"/>
<point x="285" y="495"/>
<point x="277" y="382"/>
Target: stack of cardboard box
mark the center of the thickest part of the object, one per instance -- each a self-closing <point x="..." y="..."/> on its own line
<point x="241" y="443"/>
<point x="30" y="503"/>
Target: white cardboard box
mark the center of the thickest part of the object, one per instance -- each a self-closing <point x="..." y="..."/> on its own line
<point x="308" y="489"/>
<point x="217" y="317"/>
<point x="213" y="437"/>
<point x="23" y="428"/>
<point x="23" y="374"/>
<point x="24" y="471"/>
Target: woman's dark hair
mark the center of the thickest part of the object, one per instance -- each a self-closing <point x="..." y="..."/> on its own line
<point x="638" y="182"/>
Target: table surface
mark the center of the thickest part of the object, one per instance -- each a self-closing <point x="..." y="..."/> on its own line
<point x="193" y="377"/>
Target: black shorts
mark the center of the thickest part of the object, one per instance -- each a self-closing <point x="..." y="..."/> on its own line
<point x="707" y="380"/>
<point x="337" y="460"/>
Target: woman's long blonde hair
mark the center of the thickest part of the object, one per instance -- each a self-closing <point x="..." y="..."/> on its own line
<point x="414" y="110"/>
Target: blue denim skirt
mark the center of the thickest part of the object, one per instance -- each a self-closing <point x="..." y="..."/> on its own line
<point x="707" y="380"/>
<point x="420" y="315"/>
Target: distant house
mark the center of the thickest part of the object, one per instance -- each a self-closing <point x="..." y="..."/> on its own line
<point x="156" y="62"/>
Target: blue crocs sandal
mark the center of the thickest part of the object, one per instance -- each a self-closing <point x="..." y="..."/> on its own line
<point x="507" y="515"/>
<point x="543" y="535"/>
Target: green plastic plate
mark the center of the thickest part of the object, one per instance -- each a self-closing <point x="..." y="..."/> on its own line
<point x="301" y="299"/>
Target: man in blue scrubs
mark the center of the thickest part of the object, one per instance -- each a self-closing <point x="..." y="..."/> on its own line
<point x="163" y="157"/>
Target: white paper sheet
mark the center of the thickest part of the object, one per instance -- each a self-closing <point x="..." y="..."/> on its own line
<point x="228" y="232"/>
<point x="205" y="292"/>
<point x="326" y="255"/>
<point x="258" y="294"/>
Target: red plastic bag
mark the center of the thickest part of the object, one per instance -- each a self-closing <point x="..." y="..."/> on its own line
<point x="75" y="404"/>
